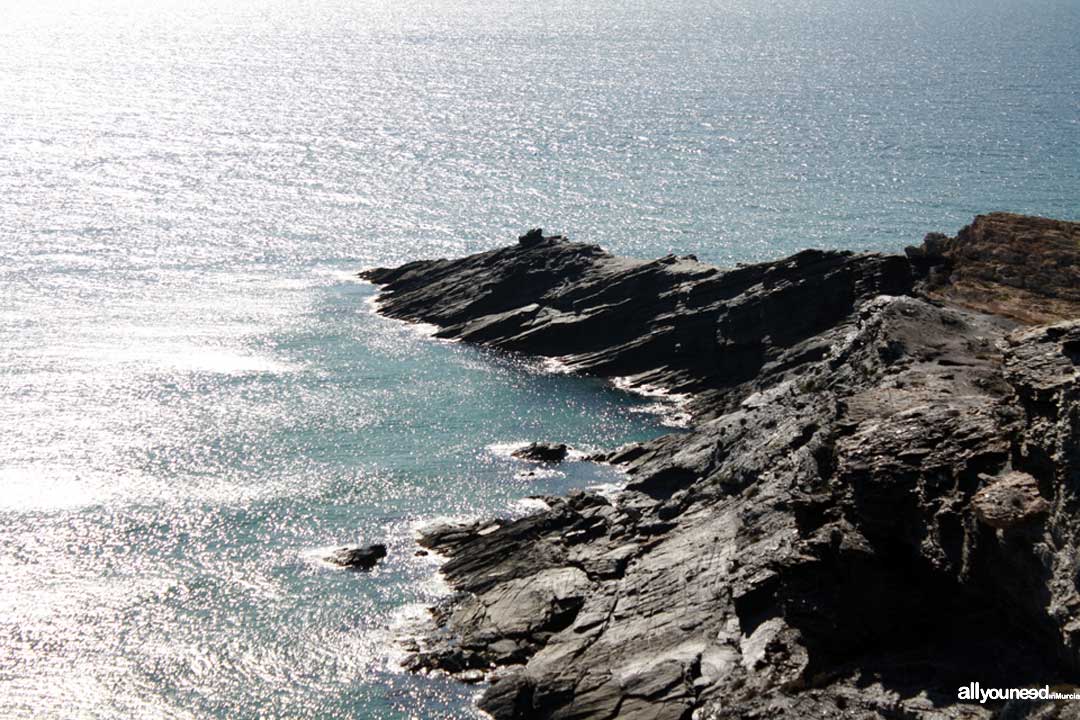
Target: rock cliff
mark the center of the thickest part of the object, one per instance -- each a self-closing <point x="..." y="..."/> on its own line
<point x="1027" y="268"/>
<point x="876" y="503"/>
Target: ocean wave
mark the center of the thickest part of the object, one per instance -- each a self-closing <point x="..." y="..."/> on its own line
<point x="670" y="408"/>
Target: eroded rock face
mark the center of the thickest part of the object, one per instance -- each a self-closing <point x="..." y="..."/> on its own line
<point x="1024" y="267"/>
<point x="876" y="503"/>
<point x="672" y="322"/>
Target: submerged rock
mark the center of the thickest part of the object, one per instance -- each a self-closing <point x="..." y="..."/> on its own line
<point x="358" y="558"/>
<point x="549" y="453"/>
<point x="875" y="503"/>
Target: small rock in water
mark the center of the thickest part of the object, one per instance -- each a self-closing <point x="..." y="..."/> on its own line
<point x="542" y="452"/>
<point x="359" y="558"/>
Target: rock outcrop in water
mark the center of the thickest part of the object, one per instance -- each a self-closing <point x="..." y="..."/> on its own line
<point x="548" y="453"/>
<point x="877" y="502"/>
<point x="358" y="558"/>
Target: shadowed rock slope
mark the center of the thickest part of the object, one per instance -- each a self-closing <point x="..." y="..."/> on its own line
<point x="876" y="503"/>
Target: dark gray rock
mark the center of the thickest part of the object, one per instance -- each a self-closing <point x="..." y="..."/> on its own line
<point x="876" y="502"/>
<point x="510" y="697"/>
<point x="358" y="558"/>
<point x="548" y="453"/>
<point x="532" y="238"/>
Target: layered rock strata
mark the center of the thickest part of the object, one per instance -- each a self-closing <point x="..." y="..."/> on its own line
<point x="876" y="502"/>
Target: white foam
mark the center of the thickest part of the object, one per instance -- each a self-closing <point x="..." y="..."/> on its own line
<point x="670" y="407"/>
<point x="627" y="383"/>
<point x="506" y="449"/>
<point x="669" y="415"/>
<point x="579" y="454"/>
<point x="340" y="275"/>
<point x="410" y="618"/>
<point x="423" y="329"/>
<point x="555" y="366"/>
<point x="529" y="506"/>
<point x="410" y="622"/>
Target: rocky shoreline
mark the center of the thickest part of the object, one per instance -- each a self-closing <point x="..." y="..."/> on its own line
<point x="876" y="502"/>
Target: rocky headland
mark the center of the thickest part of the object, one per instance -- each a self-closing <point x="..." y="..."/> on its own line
<point x="877" y="502"/>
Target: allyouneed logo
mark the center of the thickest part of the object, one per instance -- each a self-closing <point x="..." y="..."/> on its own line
<point x="975" y="692"/>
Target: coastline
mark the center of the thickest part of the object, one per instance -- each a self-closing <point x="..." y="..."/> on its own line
<point x="872" y="505"/>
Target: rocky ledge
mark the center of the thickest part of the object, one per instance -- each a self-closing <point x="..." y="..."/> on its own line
<point x="876" y="504"/>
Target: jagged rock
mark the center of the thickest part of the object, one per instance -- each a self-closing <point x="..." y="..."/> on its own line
<point x="358" y="558"/>
<point x="1010" y="501"/>
<point x="835" y="535"/>
<point x="531" y="238"/>
<point x="1023" y="267"/>
<point x="548" y="453"/>
<point x="676" y="323"/>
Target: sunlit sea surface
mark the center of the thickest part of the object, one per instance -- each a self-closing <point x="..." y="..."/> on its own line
<point x="196" y="399"/>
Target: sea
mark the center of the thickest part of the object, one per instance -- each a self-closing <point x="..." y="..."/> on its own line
<point x="198" y="401"/>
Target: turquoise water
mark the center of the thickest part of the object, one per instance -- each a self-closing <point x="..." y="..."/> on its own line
<point x="196" y="399"/>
